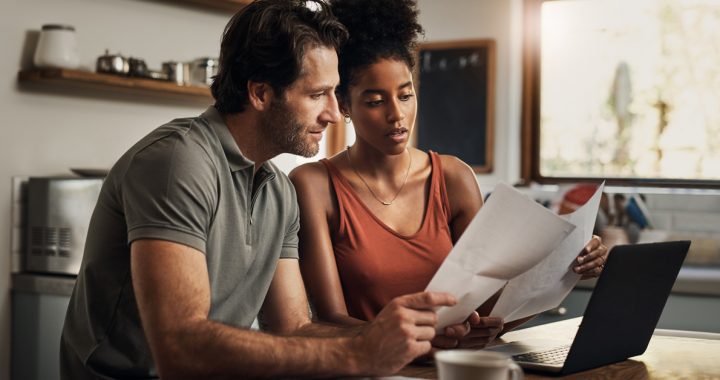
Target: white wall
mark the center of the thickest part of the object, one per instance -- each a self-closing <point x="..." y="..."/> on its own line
<point x="500" y="20"/>
<point x="47" y="132"/>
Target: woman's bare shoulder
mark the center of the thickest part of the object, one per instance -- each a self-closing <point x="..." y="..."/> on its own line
<point x="456" y="169"/>
<point x="308" y="173"/>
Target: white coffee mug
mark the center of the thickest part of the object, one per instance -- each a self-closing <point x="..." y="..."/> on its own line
<point x="472" y="365"/>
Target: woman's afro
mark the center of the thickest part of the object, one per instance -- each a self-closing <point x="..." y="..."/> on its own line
<point x="379" y="29"/>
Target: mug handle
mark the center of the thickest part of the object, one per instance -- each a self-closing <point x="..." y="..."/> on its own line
<point x="516" y="373"/>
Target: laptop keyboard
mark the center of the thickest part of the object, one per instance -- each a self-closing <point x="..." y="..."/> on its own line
<point x="552" y="356"/>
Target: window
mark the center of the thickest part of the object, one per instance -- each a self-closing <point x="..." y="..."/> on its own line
<point x="626" y="90"/>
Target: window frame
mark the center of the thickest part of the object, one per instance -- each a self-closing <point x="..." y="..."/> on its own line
<point x="530" y="117"/>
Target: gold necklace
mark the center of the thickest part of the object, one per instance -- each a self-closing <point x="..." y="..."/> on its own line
<point x="384" y="203"/>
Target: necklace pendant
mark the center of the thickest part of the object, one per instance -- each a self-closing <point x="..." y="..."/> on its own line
<point x="384" y="203"/>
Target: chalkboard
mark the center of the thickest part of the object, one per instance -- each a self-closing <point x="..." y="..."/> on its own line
<point x="456" y="99"/>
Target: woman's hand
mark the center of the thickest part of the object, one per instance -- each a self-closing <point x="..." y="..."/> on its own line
<point x="475" y="332"/>
<point x="591" y="260"/>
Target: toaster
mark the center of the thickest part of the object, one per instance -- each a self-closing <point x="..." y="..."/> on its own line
<point x="58" y="216"/>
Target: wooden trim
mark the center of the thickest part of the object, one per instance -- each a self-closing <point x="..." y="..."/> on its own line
<point x="457" y="44"/>
<point x="115" y="83"/>
<point x="490" y="101"/>
<point x="530" y="136"/>
<point x="490" y="133"/>
<point x="335" y="138"/>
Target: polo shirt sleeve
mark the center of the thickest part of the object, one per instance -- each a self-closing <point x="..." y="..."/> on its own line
<point x="170" y="192"/>
<point x="290" y="240"/>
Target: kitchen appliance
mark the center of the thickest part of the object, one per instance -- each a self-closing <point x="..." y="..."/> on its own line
<point x="59" y="211"/>
<point x="57" y="47"/>
<point x="202" y="71"/>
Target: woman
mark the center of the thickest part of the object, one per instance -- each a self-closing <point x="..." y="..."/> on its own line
<point x="379" y="218"/>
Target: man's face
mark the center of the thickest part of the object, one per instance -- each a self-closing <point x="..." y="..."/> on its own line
<point x="296" y="119"/>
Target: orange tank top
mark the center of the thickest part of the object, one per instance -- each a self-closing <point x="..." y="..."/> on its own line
<point x="375" y="263"/>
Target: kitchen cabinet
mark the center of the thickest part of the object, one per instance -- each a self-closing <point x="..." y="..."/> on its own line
<point x="65" y="78"/>
<point x="39" y="303"/>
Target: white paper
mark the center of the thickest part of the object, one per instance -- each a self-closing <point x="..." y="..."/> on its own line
<point x="509" y="235"/>
<point x="548" y="283"/>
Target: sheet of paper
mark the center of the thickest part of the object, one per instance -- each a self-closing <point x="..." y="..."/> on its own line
<point x="509" y="235"/>
<point x="545" y="285"/>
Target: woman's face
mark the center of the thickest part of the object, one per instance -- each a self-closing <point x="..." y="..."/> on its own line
<point x="382" y="105"/>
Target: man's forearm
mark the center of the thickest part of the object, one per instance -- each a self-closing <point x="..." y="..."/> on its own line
<point x="324" y="329"/>
<point x="232" y="352"/>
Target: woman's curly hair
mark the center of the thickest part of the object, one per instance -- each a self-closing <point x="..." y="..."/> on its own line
<point x="379" y="29"/>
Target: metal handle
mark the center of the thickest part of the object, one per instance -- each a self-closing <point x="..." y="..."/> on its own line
<point x="516" y="373"/>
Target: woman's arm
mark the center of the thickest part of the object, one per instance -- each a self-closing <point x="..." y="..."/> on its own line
<point x="463" y="193"/>
<point x="318" y="211"/>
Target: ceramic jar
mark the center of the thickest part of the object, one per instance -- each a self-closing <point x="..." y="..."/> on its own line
<point x="57" y="47"/>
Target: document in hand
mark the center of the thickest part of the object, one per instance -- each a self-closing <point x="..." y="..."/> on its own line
<point x="509" y="235"/>
<point x="547" y="284"/>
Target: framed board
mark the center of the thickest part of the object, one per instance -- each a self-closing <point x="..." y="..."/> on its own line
<point x="456" y="89"/>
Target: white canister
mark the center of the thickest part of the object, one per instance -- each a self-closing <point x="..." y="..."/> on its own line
<point x="57" y="47"/>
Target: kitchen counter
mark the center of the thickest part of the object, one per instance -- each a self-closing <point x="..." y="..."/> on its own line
<point x="59" y="285"/>
<point x="690" y="281"/>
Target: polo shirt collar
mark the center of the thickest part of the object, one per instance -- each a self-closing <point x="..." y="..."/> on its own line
<point x="235" y="158"/>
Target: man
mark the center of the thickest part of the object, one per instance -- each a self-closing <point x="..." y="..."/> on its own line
<point x="195" y="231"/>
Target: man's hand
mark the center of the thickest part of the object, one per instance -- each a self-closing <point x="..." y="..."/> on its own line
<point x="591" y="260"/>
<point x="401" y="332"/>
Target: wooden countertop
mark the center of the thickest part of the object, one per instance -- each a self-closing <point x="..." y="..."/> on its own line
<point x="670" y="355"/>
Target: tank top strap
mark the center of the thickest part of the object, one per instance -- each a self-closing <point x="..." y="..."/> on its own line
<point x="342" y="193"/>
<point x="438" y="184"/>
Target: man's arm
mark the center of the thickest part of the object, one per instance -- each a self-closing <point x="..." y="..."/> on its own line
<point x="172" y="290"/>
<point x="285" y="310"/>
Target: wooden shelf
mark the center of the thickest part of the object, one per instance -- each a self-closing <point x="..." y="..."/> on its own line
<point x="115" y="83"/>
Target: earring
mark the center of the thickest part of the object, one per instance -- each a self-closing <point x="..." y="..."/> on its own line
<point x="347" y="118"/>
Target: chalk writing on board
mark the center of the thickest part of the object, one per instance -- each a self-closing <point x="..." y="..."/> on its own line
<point x="471" y="60"/>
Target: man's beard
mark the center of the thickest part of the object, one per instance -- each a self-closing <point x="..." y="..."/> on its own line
<point x="281" y="128"/>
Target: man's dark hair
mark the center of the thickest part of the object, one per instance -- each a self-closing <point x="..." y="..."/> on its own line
<point x="266" y="42"/>
<point x="379" y="29"/>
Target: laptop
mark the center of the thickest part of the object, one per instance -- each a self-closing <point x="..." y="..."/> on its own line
<point x="620" y="317"/>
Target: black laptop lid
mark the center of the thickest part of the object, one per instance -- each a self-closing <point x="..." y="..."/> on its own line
<point x="626" y="304"/>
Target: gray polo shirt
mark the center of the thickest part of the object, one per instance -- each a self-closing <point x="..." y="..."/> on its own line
<point x="185" y="182"/>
